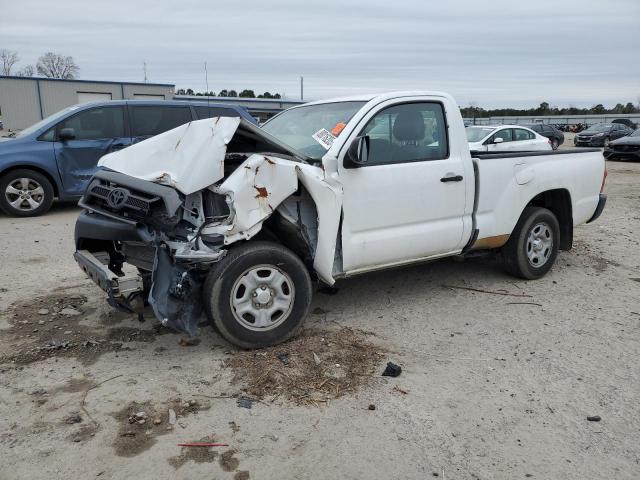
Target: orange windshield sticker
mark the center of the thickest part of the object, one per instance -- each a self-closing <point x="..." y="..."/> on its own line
<point x="335" y="131"/>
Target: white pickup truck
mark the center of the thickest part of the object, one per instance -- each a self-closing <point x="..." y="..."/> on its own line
<point x="237" y="220"/>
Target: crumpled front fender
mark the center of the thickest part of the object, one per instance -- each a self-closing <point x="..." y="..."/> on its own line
<point x="261" y="184"/>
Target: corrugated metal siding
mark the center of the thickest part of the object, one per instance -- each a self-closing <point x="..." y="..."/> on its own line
<point x="21" y="108"/>
<point x="57" y="95"/>
<point x="18" y="103"/>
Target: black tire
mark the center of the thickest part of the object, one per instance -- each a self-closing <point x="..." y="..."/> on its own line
<point x="516" y="253"/>
<point x="36" y="179"/>
<point x="606" y="141"/>
<point x="554" y="144"/>
<point x="222" y="281"/>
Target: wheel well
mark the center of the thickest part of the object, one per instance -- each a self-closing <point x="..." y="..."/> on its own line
<point x="41" y="171"/>
<point x="295" y="226"/>
<point x="559" y="202"/>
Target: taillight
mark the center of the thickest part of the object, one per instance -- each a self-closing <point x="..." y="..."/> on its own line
<point x="604" y="178"/>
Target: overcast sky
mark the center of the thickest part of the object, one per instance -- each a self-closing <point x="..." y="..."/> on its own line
<point x="493" y="52"/>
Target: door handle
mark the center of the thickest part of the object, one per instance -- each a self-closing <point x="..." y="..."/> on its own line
<point x="455" y="178"/>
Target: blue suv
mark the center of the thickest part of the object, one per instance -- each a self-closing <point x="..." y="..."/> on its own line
<point x="56" y="157"/>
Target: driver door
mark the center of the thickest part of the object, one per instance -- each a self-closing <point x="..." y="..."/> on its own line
<point x="408" y="201"/>
<point x="97" y="131"/>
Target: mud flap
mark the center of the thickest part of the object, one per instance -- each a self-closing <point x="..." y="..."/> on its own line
<point x="176" y="294"/>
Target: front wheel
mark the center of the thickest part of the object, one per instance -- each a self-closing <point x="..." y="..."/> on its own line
<point x="606" y="142"/>
<point x="258" y="295"/>
<point x="25" y="193"/>
<point x="554" y="144"/>
<point x="533" y="246"/>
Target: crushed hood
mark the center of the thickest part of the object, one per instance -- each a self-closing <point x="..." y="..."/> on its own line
<point x="191" y="156"/>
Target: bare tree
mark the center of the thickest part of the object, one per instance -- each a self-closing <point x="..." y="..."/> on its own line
<point x="52" y="65"/>
<point x="26" y="71"/>
<point x="8" y="59"/>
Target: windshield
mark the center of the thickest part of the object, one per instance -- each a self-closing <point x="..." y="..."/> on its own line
<point x="45" y="122"/>
<point x="475" y="134"/>
<point x="598" y="128"/>
<point x="297" y="126"/>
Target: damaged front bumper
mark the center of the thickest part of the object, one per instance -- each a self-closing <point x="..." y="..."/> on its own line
<point x="149" y="233"/>
<point x="120" y="288"/>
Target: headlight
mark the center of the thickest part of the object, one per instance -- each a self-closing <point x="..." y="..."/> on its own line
<point x="599" y="135"/>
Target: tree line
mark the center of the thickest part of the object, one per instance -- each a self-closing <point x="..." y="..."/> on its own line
<point x="545" y="109"/>
<point x="228" y="93"/>
<point x="50" y="65"/>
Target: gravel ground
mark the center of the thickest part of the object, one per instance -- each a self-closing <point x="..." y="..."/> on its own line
<point x="492" y="386"/>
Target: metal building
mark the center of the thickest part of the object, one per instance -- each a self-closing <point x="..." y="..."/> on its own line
<point x="26" y="100"/>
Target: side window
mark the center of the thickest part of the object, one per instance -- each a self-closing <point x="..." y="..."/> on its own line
<point x="411" y="132"/>
<point x="209" y="112"/>
<point x="147" y="121"/>
<point x="94" y="124"/>
<point x="521" y="134"/>
<point x="506" y="135"/>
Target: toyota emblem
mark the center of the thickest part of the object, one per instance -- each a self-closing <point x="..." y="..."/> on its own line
<point x="117" y="197"/>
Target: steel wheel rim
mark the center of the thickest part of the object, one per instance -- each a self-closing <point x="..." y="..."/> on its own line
<point x="539" y="244"/>
<point x="262" y="298"/>
<point x="24" y="194"/>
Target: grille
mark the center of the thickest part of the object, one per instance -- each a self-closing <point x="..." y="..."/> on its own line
<point x="137" y="205"/>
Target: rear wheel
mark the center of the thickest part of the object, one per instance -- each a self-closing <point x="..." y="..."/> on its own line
<point x="554" y="144"/>
<point x="25" y="193"/>
<point x="606" y="142"/>
<point x="258" y="295"/>
<point x="533" y="246"/>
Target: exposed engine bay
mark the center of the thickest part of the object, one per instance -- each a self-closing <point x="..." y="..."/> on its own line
<point x="173" y="205"/>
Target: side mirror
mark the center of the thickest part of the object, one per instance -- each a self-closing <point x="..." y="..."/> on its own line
<point x="498" y="140"/>
<point x="67" y="134"/>
<point x="358" y="152"/>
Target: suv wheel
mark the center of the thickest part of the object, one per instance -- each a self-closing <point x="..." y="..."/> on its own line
<point x="554" y="144"/>
<point x="533" y="246"/>
<point x="258" y="295"/>
<point x="25" y="193"/>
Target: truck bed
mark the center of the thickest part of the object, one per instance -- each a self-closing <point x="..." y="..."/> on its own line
<point x="506" y="182"/>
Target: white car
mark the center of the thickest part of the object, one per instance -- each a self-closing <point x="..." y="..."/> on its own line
<point x="505" y="138"/>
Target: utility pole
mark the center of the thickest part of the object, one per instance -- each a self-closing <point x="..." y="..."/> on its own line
<point x="144" y="68"/>
<point x="301" y="88"/>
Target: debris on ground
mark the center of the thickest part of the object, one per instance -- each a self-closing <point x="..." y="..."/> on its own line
<point x="245" y="402"/>
<point x="323" y="365"/>
<point x="284" y="358"/>
<point x="73" y="418"/>
<point x="594" y="418"/>
<point x="372" y="406"/>
<point x="396" y="388"/>
<point x="392" y="370"/>
<point x="136" y="434"/>
<point x="197" y="455"/>
<point x="189" y="341"/>
<point x="61" y="331"/>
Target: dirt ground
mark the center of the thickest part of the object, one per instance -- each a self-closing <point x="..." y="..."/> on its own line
<point x="492" y="386"/>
